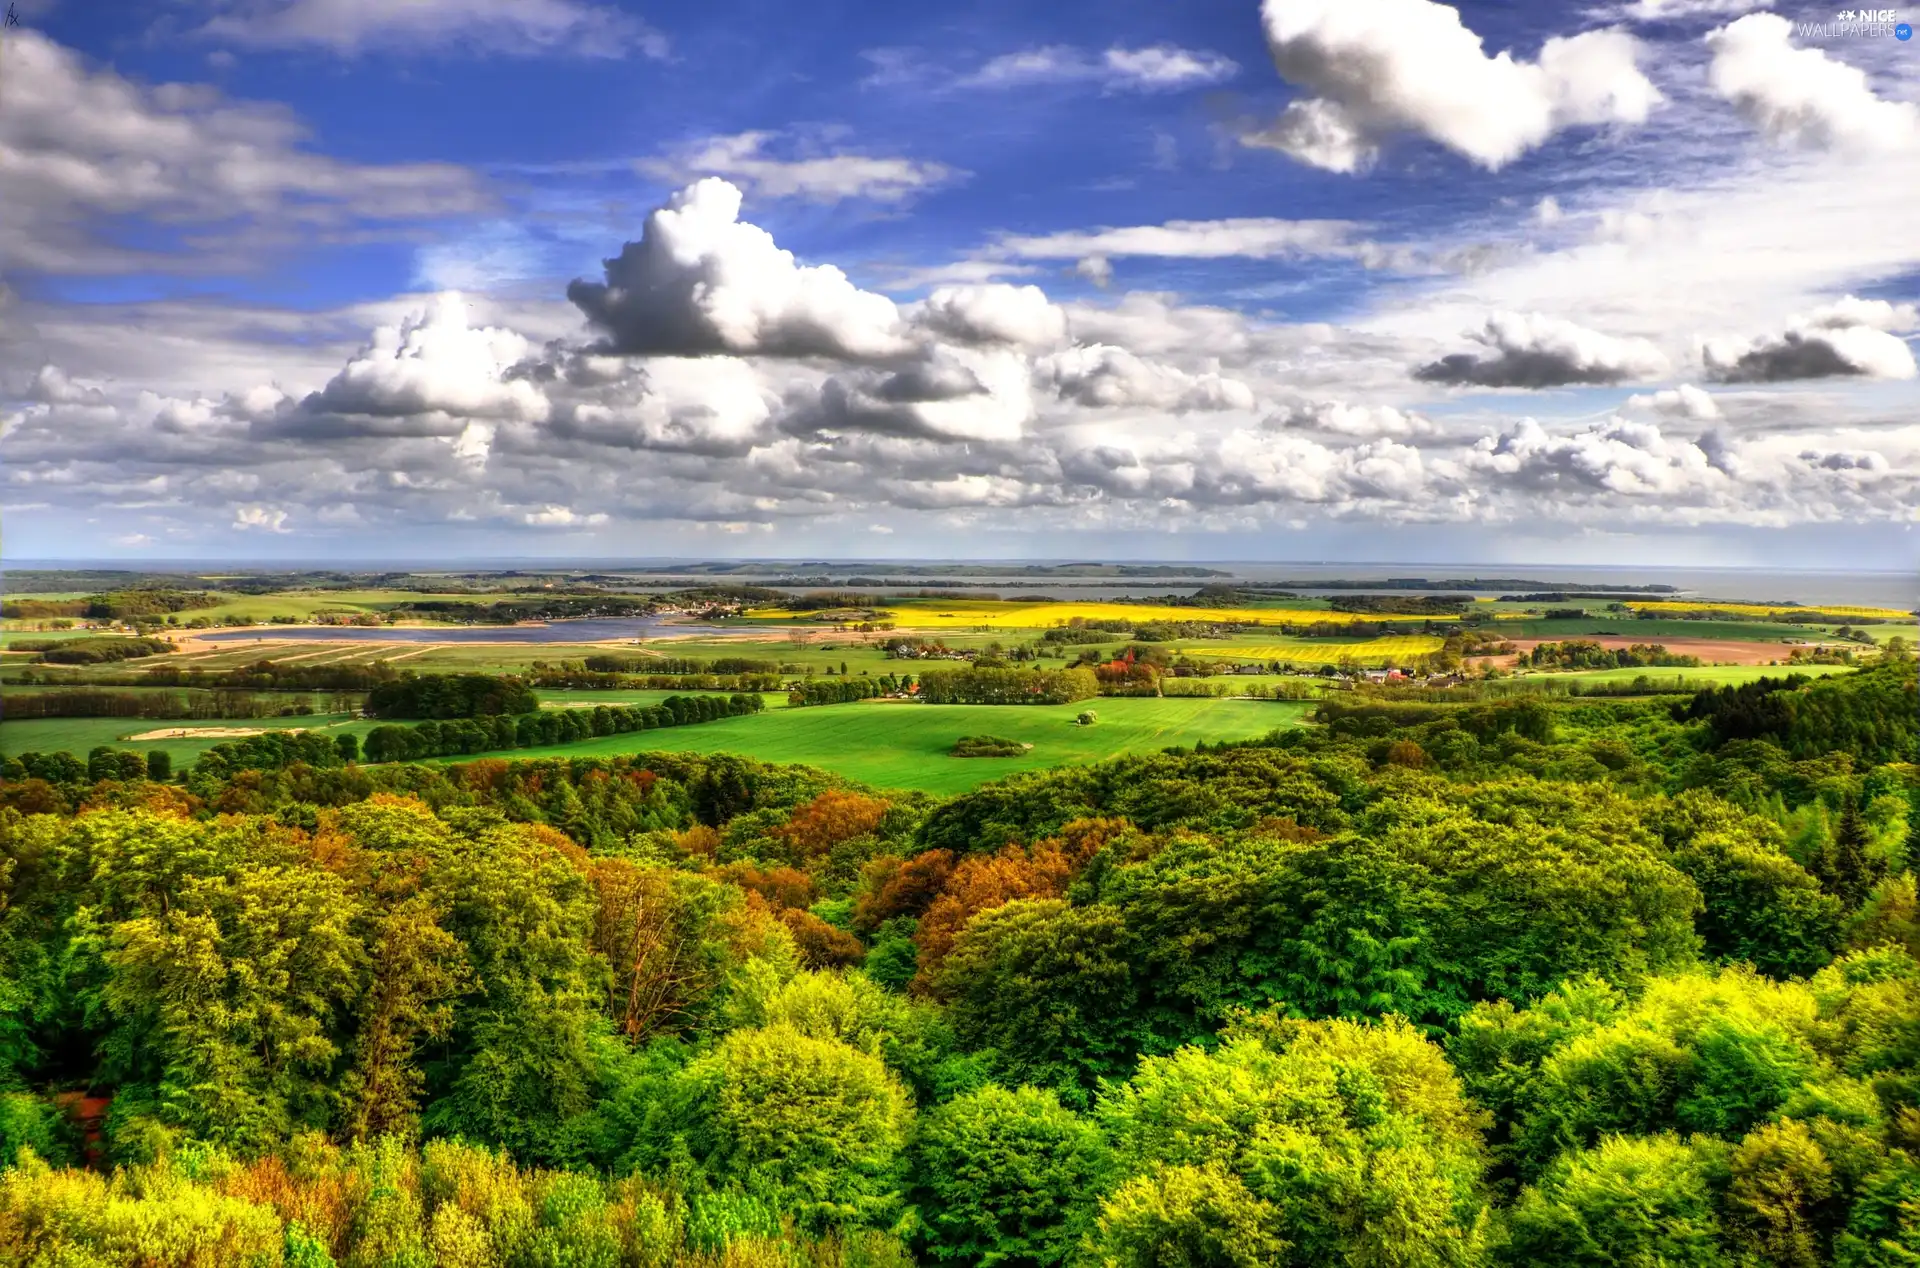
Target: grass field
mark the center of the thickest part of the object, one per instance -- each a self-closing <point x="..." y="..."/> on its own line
<point x="906" y="745"/>
<point x="967" y="614"/>
<point x="1397" y="649"/>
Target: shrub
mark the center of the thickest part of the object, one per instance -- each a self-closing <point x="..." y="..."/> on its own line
<point x="987" y="746"/>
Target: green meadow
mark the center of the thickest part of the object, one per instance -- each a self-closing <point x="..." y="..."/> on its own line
<point x="901" y="745"/>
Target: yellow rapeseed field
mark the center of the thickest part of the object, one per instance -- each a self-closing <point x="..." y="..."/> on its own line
<point x="1397" y="649"/>
<point x="964" y="614"/>
<point x="1764" y="609"/>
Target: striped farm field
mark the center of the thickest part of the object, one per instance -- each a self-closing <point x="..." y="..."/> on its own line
<point x="1397" y="649"/>
<point x="1001" y="615"/>
<point x="1768" y="609"/>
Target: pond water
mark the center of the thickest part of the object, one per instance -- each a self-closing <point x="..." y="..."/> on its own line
<point x="583" y="631"/>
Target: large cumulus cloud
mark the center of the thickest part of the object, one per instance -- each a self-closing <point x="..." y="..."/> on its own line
<point x="1370" y="71"/>
<point x="1531" y="350"/>
<point x="1804" y="96"/>
<point x="700" y="280"/>
<point x="434" y="362"/>
<point x="1850" y="338"/>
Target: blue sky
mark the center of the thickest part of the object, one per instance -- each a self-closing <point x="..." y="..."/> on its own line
<point x="1219" y="279"/>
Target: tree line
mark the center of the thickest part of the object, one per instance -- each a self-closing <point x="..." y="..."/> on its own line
<point x="1587" y="654"/>
<point x="1007" y="686"/>
<point x="481" y="734"/>
<point x="591" y="680"/>
<point x="83" y="702"/>
<point x="263" y="675"/>
<point x="113" y="605"/>
<point x="815" y="691"/>
<point x="92" y="651"/>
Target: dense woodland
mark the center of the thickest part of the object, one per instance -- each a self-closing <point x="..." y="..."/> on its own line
<point x="1531" y="982"/>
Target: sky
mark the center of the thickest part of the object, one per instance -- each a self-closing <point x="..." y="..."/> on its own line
<point x="1628" y="282"/>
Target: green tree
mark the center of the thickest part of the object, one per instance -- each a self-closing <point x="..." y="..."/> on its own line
<point x="815" y="1125"/>
<point x="1354" y="1138"/>
<point x="160" y="766"/>
<point x="1188" y="1217"/>
<point x="521" y="1062"/>
<point x="1883" y="1228"/>
<point x="1049" y="987"/>
<point x="1845" y="868"/>
<point x="1007" y="1177"/>
<point x="233" y="996"/>
<point x="1779" y="1196"/>
<point x="1629" y="1202"/>
<point x="103" y="762"/>
<point x="417" y="970"/>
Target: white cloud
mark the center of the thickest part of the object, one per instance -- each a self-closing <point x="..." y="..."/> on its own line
<point x="948" y="394"/>
<point x="1101" y="376"/>
<point x="956" y="272"/>
<point x="1531" y="350"/>
<point x="434" y="362"/>
<point x="1875" y="314"/>
<point x="132" y="540"/>
<point x="1614" y="456"/>
<point x="474" y="443"/>
<point x="1802" y="95"/>
<point x="84" y="149"/>
<point x="1337" y="418"/>
<point x="52" y="386"/>
<point x="1684" y="401"/>
<point x="519" y="28"/>
<point x="699" y="405"/>
<point x="1810" y="353"/>
<point x="1097" y="269"/>
<point x="1165" y="66"/>
<point x="822" y="178"/>
<point x="1158" y="325"/>
<point x="701" y="280"/>
<point x="264" y="519"/>
<point x="1252" y="237"/>
<point x="1157" y="68"/>
<point x="1851" y="337"/>
<point x="1318" y="133"/>
<point x="551" y="516"/>
<point x="1370" y="71"/>
<point x="1017" y="315"/>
